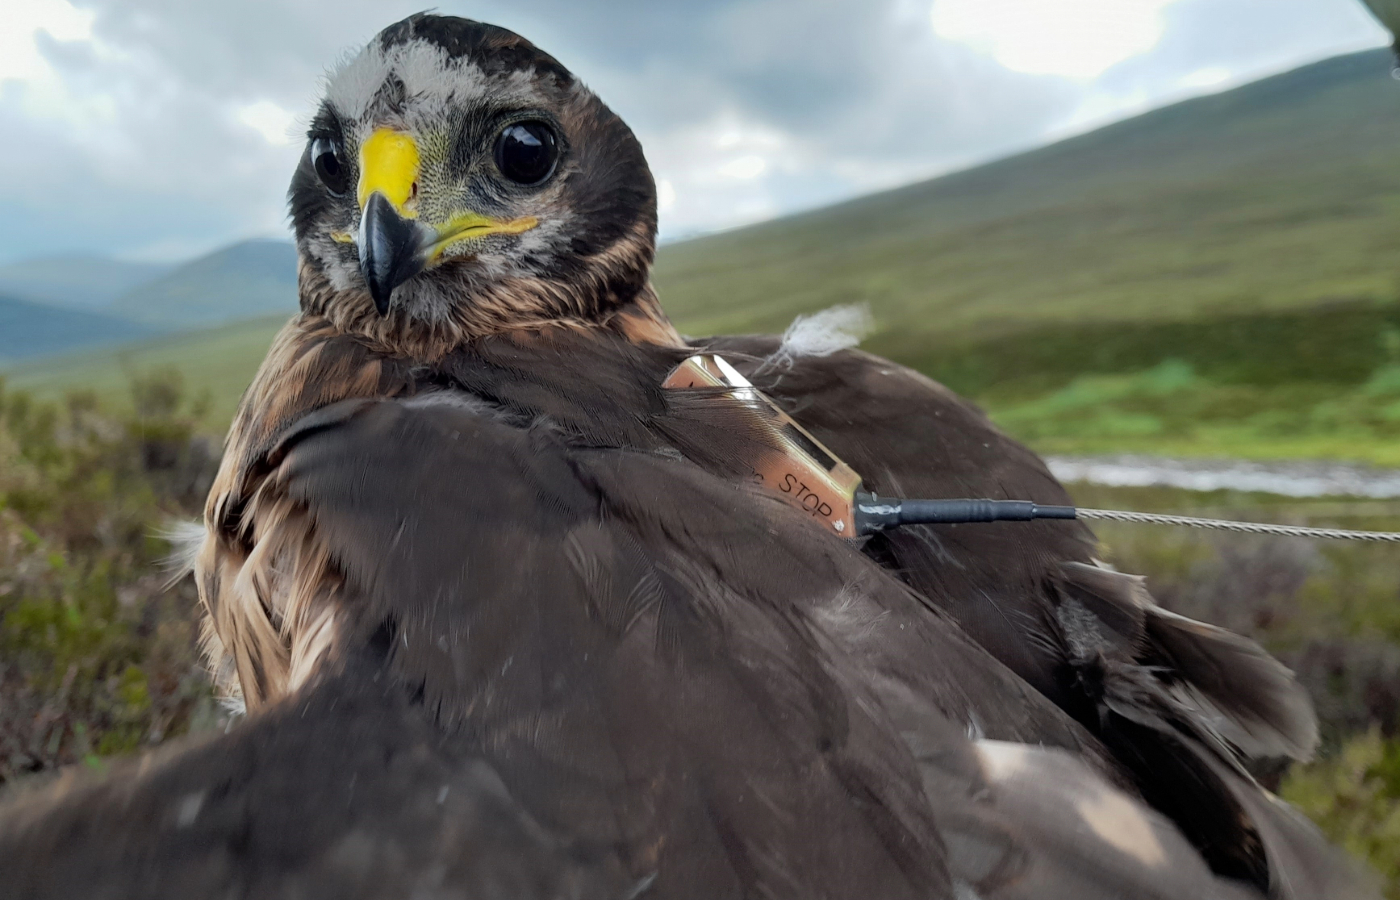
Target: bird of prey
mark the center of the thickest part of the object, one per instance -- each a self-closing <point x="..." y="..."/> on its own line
<point x="509" y="618"/>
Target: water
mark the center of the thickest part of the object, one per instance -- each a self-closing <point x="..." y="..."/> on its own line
<point x="1290" y="479"/>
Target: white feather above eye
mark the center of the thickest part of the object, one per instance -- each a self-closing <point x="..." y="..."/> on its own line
<point x="434" y="81"/>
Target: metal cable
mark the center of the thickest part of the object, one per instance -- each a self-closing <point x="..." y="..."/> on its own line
<point x="1341" y="534"/>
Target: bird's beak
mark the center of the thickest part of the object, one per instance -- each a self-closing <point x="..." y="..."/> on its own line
<point x="391" y="249"/>
<point x="394" y="243"/>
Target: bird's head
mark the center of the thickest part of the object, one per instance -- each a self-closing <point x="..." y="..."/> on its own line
<point x="459" y="182"/>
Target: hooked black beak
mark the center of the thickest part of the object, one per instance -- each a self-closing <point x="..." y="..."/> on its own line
<point x="392" y="249"/>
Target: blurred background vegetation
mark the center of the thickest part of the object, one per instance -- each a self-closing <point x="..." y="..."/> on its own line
<point x="97" y="655"/>
<point x="1328" y="610"/>
<point x="1217" y="278"/>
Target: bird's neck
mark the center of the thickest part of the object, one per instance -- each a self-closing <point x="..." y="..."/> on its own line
<point x="600" y="372"/>
<point x="520" y="307"/>
<point x="643" y="321"/>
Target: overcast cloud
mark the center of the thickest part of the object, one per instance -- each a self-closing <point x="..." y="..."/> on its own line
<point x="161" y="128"/>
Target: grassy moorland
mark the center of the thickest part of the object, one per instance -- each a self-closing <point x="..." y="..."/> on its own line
<point x="215" y="363"/>
<point x="96" y="656"/>
<point x="1319" y="382"/>
<point x="1280" y="194"/>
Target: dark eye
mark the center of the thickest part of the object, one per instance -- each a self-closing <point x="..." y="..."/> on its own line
<point x="526" y="152"/>
<point x="325" y="156"/>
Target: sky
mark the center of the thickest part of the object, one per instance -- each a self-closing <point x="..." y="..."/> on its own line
<point x="161" y="129"/>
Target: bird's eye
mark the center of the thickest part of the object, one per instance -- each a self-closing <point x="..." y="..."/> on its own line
<point x="325" y="156"/>
<point x="526" y="152"/>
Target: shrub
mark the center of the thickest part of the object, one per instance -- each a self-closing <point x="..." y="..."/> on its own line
<point x="96" y="656"/>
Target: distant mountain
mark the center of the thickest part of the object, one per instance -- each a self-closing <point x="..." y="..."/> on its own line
<point x="78" y="282"/>
<point x="35" y="329"/>
<point x="252" y="278"/>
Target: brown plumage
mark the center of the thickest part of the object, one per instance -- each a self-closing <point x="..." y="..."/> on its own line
<point x="510" y="620"/>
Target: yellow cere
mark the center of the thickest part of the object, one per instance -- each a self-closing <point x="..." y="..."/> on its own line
<point x="468" y="225"/>
<point x="389" y="164"/>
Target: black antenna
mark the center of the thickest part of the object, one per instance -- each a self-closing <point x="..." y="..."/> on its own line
<point x="874" y="514"/>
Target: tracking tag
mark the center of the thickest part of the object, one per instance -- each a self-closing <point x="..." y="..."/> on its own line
<point x="798" y="469"/>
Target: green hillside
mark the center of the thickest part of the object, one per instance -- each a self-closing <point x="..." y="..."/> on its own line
<point x="1216" y="277"/>
<point x="33" y="329"/>
<point x="1221" y="276"/>
<point x="1282" y="193"/>
<point x="217" y="362"/>
<point x="251" y="278"/>
<point x="81" y="282"/>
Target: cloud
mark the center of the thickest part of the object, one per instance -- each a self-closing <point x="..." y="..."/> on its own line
<point x="20" y="58"/>
<point x="1078" y="39"/>
<point x="276" y="124"/>
<point x="154" y="129"/>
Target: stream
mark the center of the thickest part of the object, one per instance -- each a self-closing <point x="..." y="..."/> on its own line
<point x="1310" y="478"/>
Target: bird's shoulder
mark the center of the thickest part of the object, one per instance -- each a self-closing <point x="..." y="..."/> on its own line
<point x="907" y="434"/>
<point x="1179" y="702"/>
